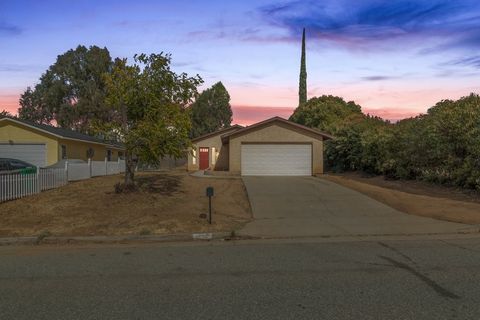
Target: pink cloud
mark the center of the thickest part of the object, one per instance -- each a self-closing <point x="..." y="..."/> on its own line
<point x="9" y="101"/>
<point x="392" y="115"/>
<point x="247" y="115"/>
<point x="258" y="94"/>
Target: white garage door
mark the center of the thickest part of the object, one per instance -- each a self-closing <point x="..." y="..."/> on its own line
<point x="31" y="153"/>
<point x="276" y="160"/>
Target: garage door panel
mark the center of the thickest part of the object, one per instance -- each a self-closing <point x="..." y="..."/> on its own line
<point x="276" y="159"/>
<point x="31" y="153"/>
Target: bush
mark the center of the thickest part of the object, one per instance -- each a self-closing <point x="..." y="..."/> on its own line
<point x="125" y="188"/>
<point x="442" y="146"/>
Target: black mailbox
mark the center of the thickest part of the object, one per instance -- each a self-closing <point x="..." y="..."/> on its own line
<point x="209" y="191"/>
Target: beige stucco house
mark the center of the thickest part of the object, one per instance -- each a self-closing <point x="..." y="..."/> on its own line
<point x="272" y="147"/>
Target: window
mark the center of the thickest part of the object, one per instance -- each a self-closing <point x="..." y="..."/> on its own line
<point x="120" y="155"/>
<point x="64" y="151"/>
<point x="214" y="155"/>
<point x="194" y="156"/>
<point x="109" y="155"/>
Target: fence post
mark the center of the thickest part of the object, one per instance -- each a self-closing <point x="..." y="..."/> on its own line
<point x="89" y="167"/>
<point x="66" y="169"/>
<point x="106" y="167"/>
<point x="38" y="186"/>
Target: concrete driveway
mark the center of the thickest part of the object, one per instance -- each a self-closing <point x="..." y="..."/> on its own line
<point x="311" y="207"/>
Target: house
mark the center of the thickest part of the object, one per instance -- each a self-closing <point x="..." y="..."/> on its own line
<point x="272" y="147"/>
<point x="44" y="145"/>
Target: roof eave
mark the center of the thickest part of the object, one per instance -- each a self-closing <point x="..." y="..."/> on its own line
<point x="211" y="134"/>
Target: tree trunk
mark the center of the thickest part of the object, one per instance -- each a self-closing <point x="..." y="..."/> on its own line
<point x="129" y="169"/>
<point x="130" y="163"/>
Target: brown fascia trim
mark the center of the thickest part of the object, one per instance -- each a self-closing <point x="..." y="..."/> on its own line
<point x="211" y="134"/>
<point x="226" y="137"/>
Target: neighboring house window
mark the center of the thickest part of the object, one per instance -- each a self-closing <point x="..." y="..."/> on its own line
<point x="194" y="156"/>
<point x="120" y="155"/>
<point x="64" y="151"/>
<point x="109" y="155"/>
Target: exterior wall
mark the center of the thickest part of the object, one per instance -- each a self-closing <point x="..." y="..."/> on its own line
<point x="78" y="150"/>
<point x="276" y="133"/>
<point x="222" y="160"/>
<point x="216" y="142"/>
<point x="18" y="134"/>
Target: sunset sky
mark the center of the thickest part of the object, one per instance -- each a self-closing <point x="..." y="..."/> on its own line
<point x="394" y="58"/>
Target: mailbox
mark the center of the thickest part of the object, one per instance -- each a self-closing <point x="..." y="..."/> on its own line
<point x="209" y="191"/>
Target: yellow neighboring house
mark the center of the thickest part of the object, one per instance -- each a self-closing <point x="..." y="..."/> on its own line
<point x="44" y="145"/>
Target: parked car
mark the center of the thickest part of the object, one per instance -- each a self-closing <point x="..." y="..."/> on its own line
<point x="15" y="165"/>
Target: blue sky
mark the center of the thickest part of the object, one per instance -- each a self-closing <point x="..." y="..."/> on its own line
<point x="395" y="58"/>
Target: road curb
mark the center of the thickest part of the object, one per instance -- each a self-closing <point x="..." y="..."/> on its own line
<point x="206" y="236"/>
<point x="221" y="236"/>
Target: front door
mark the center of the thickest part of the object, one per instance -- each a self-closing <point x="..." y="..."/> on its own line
<point x="204" y="158"/>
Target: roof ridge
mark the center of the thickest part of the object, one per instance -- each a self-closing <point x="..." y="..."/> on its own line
<point x="277" y="118"/>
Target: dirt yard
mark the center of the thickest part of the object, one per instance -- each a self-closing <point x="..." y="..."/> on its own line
<point x="417" y="198"/>
<point x="167" y="203"/>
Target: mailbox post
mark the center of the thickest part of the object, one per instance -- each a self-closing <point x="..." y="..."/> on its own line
<point x="210" y="195"/>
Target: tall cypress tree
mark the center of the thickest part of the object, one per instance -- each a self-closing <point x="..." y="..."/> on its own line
<point x="302" y="90"/>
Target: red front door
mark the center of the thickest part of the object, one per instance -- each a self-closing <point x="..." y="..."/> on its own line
<point x="203" y="158"/>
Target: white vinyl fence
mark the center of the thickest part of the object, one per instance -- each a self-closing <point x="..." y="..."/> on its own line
<point x="81" y="171"/>
<point x="18" y="184"/>
<point x="15" y="185"/>
<point x="78" y="171"/>
<point x="51" y="178"/>
<point x="98" y="168"/>
<point x="105" y="168"/>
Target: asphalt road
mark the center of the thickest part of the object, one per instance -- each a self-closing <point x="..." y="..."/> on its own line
<point x="301" y="279"/>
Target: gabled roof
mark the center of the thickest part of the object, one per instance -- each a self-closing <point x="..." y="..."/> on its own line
<point x="62" y="133"/>
<point x="221" y="131"/>
<point x="270" y="121"/>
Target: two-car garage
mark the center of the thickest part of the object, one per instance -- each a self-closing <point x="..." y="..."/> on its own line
<point x="276" y="159"/>
<point x="276" y="147"/>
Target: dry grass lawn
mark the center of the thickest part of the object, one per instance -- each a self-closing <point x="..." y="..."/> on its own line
<point x="167" y="203"/>
<point x="416" y="198"/>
